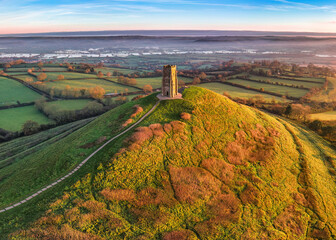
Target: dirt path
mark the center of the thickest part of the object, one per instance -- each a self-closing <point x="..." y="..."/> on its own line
<point x="81" y="164"/>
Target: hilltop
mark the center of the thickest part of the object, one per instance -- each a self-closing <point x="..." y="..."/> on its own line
<point x="203" y="167"/>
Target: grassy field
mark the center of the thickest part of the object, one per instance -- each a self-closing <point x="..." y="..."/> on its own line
<point x="19" y="148"/>
<point x="25" y="76"/>
<point x="69" y="104"/>
<point x="109" y="87"/>
<point x="328" y="95"/>
<point x="12" y="91"/>
<point x="40" y="168"/>
<point x="67" y="75"/>
<point x="213" y="174"/>
<point x="111" y="70"/>
<point x="310" y="79"/>
<point x="294" y="92"/>
<point x="285" y="81"/>
<point x="54" y="69"/>
<point x="325" y="116"/>
<point x="237" y="92"/>
<point x="12" y="119"/>
<point x="15" y="73"/>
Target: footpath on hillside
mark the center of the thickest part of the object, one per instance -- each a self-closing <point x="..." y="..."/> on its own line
<point x="82" y="163"/>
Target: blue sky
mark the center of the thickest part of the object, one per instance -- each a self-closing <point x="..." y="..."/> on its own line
<point x="25" y="16"/>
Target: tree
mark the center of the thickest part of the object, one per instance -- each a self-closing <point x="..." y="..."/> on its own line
<point x="100" y="74"/>
<point x="288" y="110"/>
<point x="202" y="76"/>
<point x="97" y="92"/>
<point x="30" y="127"/>
<point x="60" y="77"/>
<point x="40" y="64"/>
<point x="196" y="80"/>
<point x="42" y="77"/>
<point x="181" y="83"/>
<point x="148" y="88"/>
<point x="316" y="125"/>
<point x="108" y="74"/>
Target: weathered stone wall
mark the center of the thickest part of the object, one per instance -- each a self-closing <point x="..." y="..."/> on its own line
<point x="169" y="81"/>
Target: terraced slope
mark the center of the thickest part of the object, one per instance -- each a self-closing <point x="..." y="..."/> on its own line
<point x="202" y="168"/>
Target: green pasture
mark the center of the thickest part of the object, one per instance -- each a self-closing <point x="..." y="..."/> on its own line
<point x="283" y="90"/>
<point x="237" y="92"/>
<point x="67" y="75"/>
<point x="286" y="81"/>
<point x="12" y="91"/>
<point x="109" y="86"/>
<point x="12" y="119"/>
<point x="112" y="69"/>
<point x="70" y="104"/>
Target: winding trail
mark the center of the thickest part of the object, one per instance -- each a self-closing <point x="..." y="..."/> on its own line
<point x="82" y="163"/>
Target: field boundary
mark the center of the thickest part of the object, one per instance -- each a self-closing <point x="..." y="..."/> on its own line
<point x="272" y="83"/>
<point x="81" y="164"/>
<point x="256" y="89"/>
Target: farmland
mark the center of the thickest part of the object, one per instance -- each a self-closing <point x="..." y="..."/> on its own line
<point x="111" y="70"/>
<point x="20" y="69"/>
<point x="12" y="91"/>
<point x="109" y="86"/>
<point x="69" y="104"/>
<point x="287" y="81"/>
<point x="283" y="90"/>
<point x="12" y="119"/>
<point x="325" y="116"/>
<point x="237" y="92"/>
<point x="68" y="75"/>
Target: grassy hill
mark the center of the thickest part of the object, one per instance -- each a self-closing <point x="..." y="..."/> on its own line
<point x="203" y="167"/>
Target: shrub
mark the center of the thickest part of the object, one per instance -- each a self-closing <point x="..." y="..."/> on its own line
<point x="192" y="183"/>
<point x="185" y="116"/>
<point x="141" y="135"/>
<point x="219" y="168"/>
<point x="128" y="122"/>
<point x="138" y="110"/>
<point x="180" y="235"/>
<point x="118" y="194"/>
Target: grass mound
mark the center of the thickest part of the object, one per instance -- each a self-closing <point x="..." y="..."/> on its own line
<point x="226" y="171"/>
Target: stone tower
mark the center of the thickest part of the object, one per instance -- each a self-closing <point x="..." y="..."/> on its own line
<point x="169" y="81"/>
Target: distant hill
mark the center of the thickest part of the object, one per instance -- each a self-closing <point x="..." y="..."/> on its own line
<point x="203" y="167"/>
<point x="174" y="33"/>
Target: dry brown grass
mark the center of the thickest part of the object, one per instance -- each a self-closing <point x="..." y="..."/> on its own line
<point x="290" y="221"/>
<point x="258" y="149"/>
<point x="178" y="126"/>
<point x="141" y="135"/>
<point x="183" y="234"/>
<point x="167" y="128"/>
<point x="225" y="208"/>
<point x="185" y="116"/>
<point x="54" y="233"/>
<point x="157" y="130"/>
<point x="138" y="110"/>
<point x="250" y="195"/>
<point x="154" y="196"/>
<point x="118" y="194"/>
<point x="193" y="183"/>
<point x="127" y="122"/>
<point x="219" y="168"/>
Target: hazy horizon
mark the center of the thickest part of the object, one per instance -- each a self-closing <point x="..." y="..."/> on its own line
<point x="172" y="32"/>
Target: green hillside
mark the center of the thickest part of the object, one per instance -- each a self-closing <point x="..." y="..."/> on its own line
<point x="203" y="167"/>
